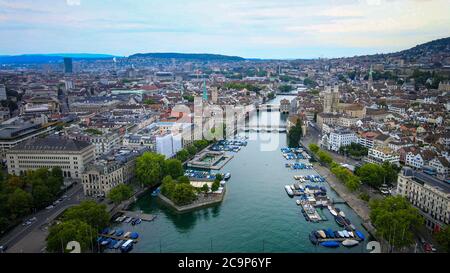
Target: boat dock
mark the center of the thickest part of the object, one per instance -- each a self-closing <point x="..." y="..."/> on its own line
<point x="137" y="215"/>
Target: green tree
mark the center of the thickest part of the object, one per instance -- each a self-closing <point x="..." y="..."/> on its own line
<point x="19" y="203"/>
<point x="295" y="134"/>
<point x="42" y="195"/>
<point x="443" y="239"/>
<point x="192" y="150"/>
<point x="89" y="212"/>
<point x="324" y="157"/>
<point x="168" y="186"/>
<point x="150" y="168"/>
<point x="120" y="193"/>
<point x="285" y="88"/>
<point x="71" y="230"/>
<point x="183" y="179"/>
<point x="184" y="194"/>
<point x="371" y="174"/>
<point x="395" y="220"/>
<point x="173" y="167"/>
<point x="205" y="188"/>
<point x="215" y="186"/>
<point x="314" y="148"/>
<point x="182" y="155"/>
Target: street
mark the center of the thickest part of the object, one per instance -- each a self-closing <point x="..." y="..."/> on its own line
<point x="31" y="237"/>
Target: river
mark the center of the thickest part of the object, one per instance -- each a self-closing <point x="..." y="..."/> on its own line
<point x="256" y="214"/>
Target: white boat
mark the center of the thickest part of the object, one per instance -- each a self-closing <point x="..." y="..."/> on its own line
<point x="322" y="234"/>
<point x="349" y="242"/>
<point x="289" y="190"/>
<point x="341" y="213"/>
<point x="292" y="187"/>
<point x="341" y="234"/>
<point x="351" y="234"/>
<point x="346" y="235"/>
<point x="332" y="211"/>
<point x="298" y="202"/>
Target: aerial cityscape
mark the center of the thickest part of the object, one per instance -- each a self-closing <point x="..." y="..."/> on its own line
<point x="237" y="127"/>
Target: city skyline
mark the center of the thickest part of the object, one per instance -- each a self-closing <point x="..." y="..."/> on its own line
<point x="251" y="29"/>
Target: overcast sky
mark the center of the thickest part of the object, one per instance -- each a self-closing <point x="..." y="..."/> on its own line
<point x="247" y="28"/>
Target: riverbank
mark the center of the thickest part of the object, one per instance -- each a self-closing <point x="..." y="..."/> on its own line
<point x="212" y="199"/>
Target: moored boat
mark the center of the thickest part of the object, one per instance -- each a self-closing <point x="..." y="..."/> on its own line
<point x="313" y="238"/>
<point x="322" y="234"/>
<point x="339" y="220"/>
<point x="330" y="244"/>
<point x="349" y="243"/>
<point x="346" y="234"/>
<point x="341" y="213"/>
<point x="298" y="202"/>
<point x="289" y="190"/>
<point x="360" y="234"/>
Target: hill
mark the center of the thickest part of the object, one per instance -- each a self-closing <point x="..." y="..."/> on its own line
<point x="49" y="58"/>
<point x="188" y="56"/>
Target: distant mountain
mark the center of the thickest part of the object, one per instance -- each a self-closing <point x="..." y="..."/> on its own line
<point x="188" y="56"/>
<point x="49" y="58"/>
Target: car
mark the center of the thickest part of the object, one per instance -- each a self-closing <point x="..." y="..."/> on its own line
<point x="56" y="202"/>
<point x="64" y="196"/>
<point x="27" y="223"/>
<point x="32" y="219"/>
<point x="49" y="207"/>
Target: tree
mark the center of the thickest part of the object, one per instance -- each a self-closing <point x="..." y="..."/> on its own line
<point x="205" y="188"/>
<point x="215" y="186"/>
<point x="294" y="135"/>
<point x="89" y="212"/>
<point x="443" y="239"/>
<point x="371" y="174"/>
<point x="314" y="148"/>
<point x="324" y="157"/>
<point x="182" y="155"/>
<point x="184" y="194"/>
<point x="219" y="177"/>
<point x="395" y="220"/>
<point x="41" y="195"/>
<point x="173" y="167"/>
<point x="149" y="168"/>
<point x="183" y="179"/>
<point x="19" y="203"/>
<point x="120" y="193"/>
<point x="168" y="186"/>
<point x="71" y="230"/>
<point x="192" y="150"/>
<point x="285" y="88"/>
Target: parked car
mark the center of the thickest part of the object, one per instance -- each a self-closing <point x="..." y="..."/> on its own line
<point x="49" y="207"/>
<point x="32" y="219"/>
<point x="27" y="223"/>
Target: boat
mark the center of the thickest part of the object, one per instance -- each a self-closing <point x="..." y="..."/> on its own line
<point x="341" y="234"/>
<point x="227" y="176"/>
<point x="289" y="190"/>
<point x="128" y="220"/>
<point x="127" y="234"/>
<point x="298" y="202"/>
<point x="332" y="211"/>
<point x="127" y="246"/>
<point x="118" y="244"/>
<point x="352" y="226"/>
<point x="322" y="234"/>
<point x="105" y="231"/>
<point x="119" y="232"/>
<point x="112" y="243"/>
<point x="112" y="232"/>
<point x="349" y="243"/>
<point x="341" y="213"/>
<point x="340" y="221"/>
<point x="330" y="244"/>
<point x="138" y="221"/>
<point x="134" y="235"/>
<point x="105" y="242"/>
<point x="351" y="234"/>
<point x="360" y="234"/>
<point x="336" y="234"/>
<point x="346" y="234"/>
<point x="156" y="192"/>
<point x="313" y="238"/>
<point x="330" y="233"/>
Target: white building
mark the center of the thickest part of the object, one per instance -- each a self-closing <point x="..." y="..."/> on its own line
<point x="381" y="154"/>
<point x="169" y="144"/>
<point x="70" y="155"/>
<point x="339" y="138"/>
<point x="430" y="195"/>
<point x="414" y="160"/>
<point x="441" y="165"/>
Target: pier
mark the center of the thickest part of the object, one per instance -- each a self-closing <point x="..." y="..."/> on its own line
<point x="136" y="214"/>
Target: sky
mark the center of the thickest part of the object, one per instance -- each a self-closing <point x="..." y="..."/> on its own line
<point x="281" y="29"/>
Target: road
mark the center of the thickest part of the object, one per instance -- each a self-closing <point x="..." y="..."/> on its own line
<point x="20" y="234"/>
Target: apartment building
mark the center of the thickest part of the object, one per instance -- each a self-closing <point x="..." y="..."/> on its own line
<point x="381" y="154"/>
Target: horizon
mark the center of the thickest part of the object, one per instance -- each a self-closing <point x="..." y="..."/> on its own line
<point x="267" y="29"/>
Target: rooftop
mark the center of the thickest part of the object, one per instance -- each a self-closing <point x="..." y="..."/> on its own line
<point x="52" y="143"/>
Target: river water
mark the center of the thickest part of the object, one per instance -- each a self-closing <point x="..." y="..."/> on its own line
<point x="256" y="214"/>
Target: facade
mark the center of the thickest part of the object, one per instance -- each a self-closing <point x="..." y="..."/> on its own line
<point x="118" y="167"/>
<point x="429" y="195"/>
<point x="285" y="106"/>
<point x="339" y="138"/>
<point x="414" y="160"/>
<point x="381" y="154"/>
<point x="441" y="165"/>
<point x="331" y="100"/>
<point x="70" y="155"/>
<point x="68" y="66"/>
